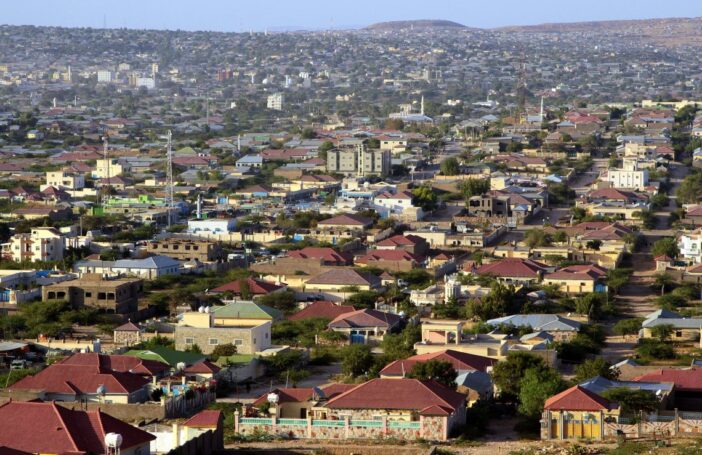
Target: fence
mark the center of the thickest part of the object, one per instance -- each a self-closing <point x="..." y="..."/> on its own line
<point x="428" y="427"/>
<point x="678" y="424"/>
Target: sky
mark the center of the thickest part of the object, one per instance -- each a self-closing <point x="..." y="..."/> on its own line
<point x="258" y="15"/>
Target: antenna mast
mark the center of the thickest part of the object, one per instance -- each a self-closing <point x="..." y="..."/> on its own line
<point x="169" y="177"/>
<point x="106" y="185"/>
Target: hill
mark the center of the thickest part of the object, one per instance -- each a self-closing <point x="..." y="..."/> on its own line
<point x="417" y="24"/>
<point x="665" y="32"/>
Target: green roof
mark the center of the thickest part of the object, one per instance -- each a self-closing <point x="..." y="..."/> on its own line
<point x="247" y="310"/>
<point x="167" y="355"/>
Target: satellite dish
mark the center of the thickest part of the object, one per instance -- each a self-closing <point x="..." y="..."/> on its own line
<point x="180" y="366"/>
<point x="207" y="309"/>
<point x="113" y="440"/>
<point x="201" y="309"/>
<point x="273" y="398"/>
<point x="101" y="390"/>
<point x="319" y="393"/>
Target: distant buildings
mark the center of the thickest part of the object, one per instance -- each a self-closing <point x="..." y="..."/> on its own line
<point x="275" y="101"/>
<point x="359" y="161"/>
<point x="40" y="244"/>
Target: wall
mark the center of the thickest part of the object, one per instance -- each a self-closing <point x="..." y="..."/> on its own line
<point x="432" y="428"/>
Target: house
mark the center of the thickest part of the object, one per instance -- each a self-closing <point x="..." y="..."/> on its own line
<point x="40" y="244"/>
<point x="557" y="326"/>
<point x="232" y="313"/>
<point x="398" y="205"/>
<point x="401" y="400"/>
<point x="149" y="268"/>
<point x="204" y="371"/>
<point x="211" y="226"/>
<point x="391" y="260"/>
<point x="577" y="413"/>
<point x="127" y="334"/>
<point x="324" y="255"/>
<point x="63" y="180"/>
<point x="578" y="279"/>
<point x="249" y="161"/>
<point x="85" y="379"/>
<point x="687" y="385"/>
<point x="297" y="403"/>
<point x="410" y="243"/>
<point x="684" y="329"/>
<point x="322" y="309"/>
<point x="187" y="249"/>
<point x="690" y="245"/>
<point x="363" y="326"/>
<point x="200" y="328"/>
<point x="337" y="284"/>
<point x="248" y="287"/>
<point x="514" y="271"/>
<point x="461" y="362"/>
<point x="37" y="427"/>
<point x="346" y="221"/>
<point x="119" y="296"/>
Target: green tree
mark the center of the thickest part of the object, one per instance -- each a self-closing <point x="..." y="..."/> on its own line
<point x="284" y="301"/>
<point x="690" y="189"/>
<point x="665" y="247"/>
<point x="593" y="245"/>
<point x="473" y="187"/>
<point x="401" y="345"/>
<point x="450" y="166"/>
<point x="536" y="238"/>
<point x="535" y="387"/>
<point x="595" y="367"/>
<point x="632" y="401"/>
<point x="560" y="236"/>
<point x="438" y="370"/>
<point x="662" y="332"/>
<point x="356" y="360"/>
<point x="628" y="326"/>
<point x="663" y="281"/>
<point x="508" y="374"/>
<point x="223" y="350"/>
<point x="424" y="197"/>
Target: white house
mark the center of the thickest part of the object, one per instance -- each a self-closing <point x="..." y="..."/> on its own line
<point x="630" y="176"/>
<point x="397" y="204"/>
<point x="148" y="268"/>
<point x="211" y="226"/>
<point x="690" y="246"/>
<point x="41" y="244"/>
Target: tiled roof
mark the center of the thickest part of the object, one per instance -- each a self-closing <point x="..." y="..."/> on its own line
<point x="346" y="220"/>
<point x="578" y="272"/>
<point x="387" y="255"/>
<point x="246" y="310"/>
<point x="129" y="326"/>
<point x="512" y="267"/>
<point x="84" y="373"/>
<point x="324" y="253"/>
<point x="461" y="361"/>
<point x="399" y="240"/>
<point x="204" y="367"/>
<point x="322" y="309"/>
<point x="365" y="318"/>
<point x="205" y="419"/>
<point x="345" y="277"/>
<point x="38" y="427"/>
<point x="578" y="398"/>
<point x="410" y="394"/>
<point x="256" y="287"/>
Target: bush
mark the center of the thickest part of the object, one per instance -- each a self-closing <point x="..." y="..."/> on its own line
<point x="628" y="326"/>
<point x="654" y="349"/>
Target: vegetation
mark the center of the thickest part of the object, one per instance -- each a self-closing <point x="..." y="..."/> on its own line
<point x="438" y="370"/>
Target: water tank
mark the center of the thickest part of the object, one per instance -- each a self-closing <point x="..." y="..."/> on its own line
<point x="113" y="440"/>
<point x="273" y="398"/>
<point x="180" y="366"/>
<point x="201" y="309"/>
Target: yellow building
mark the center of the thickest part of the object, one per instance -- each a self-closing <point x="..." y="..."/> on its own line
<point x="577" y="413"/>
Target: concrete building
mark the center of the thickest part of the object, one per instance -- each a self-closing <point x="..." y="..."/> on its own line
<point x="359" y="161"/>
<point x="275" y="101"/>
<point x="187" y="249"/>
<point x="200" y="328"/>
<point x="630" y="176"/>
<point x="211" y="226"/>
<point x="105" y="76"/>
<point x="113" y="296"/>
<point x="41" y="244"/>
<point x="65" y="180"/>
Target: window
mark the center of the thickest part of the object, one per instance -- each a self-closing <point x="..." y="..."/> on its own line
<point x="88" y="294"/>
<point x="213" y="341"/>
<point x="238" y="342"/>
<point x="678" y="333"/>
<point x="189" y="341"/>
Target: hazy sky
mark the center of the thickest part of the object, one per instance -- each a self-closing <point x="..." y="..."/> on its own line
<point x="238" y="15"/>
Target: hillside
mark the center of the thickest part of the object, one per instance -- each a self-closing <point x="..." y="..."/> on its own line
<point x="416" y="24"/>
<point x="666" y="32"/>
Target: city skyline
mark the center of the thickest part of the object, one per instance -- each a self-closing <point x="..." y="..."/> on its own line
<point x="220" y="15"/>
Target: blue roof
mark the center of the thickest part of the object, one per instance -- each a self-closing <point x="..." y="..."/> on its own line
<point x="538" y="322"/>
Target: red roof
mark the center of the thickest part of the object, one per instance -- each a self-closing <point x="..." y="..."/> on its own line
<point x="461" y="361"/>
<point x="387" y="255"/>
<point x="346" y="220"/>
<point x="205" y="419"/>
<point x="256" y="287"/>
<point x="512" y="267"/>
<point x="400" y="240"/>
<point x="119" y="363"/>
<point x="128" y="327"/>
<point x="322" y="309"/>
<point x="578" y="399"/>
<point x="83" y="377"/>
<point x="204" y="367"/>
<point x="38" y="427"/>
<point x="365" y="318"/>
<point x="410" y="394"/>
<point x="328" y="255"/>
<point x="579" y="272"/>
<point x="689" y="379"/>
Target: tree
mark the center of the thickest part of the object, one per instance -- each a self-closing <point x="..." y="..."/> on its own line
<point x="450" y="166"/>
<point x="508" y="374"/>
<point x="438" y="370"/>
<point x="284" y="301"/>
<point x="401" y="345"/>
<point x="536" y="386"/>
<point x="665" y="247"/>
<point x="690" y="189"/>
<point x="628" y="326"/>
<point x="194" y="348"/>
<point x="632" y="401"/>
<point x="593" y="245"/>
<point x="356" y="360"/>
<point x="663" y="280"/>
<point x="424" y="197"/>
<point x="595" y="367"/>
<point x="223" y="350"/>
<point x="560" y="236"/>
<point x="473" y="187"/>
<point x="363" y="299"/>
<point x="536" y="238"/>
<point x="616" y="278"/>
<point x="592" y="305"/>
<point x="662" y="332"/>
